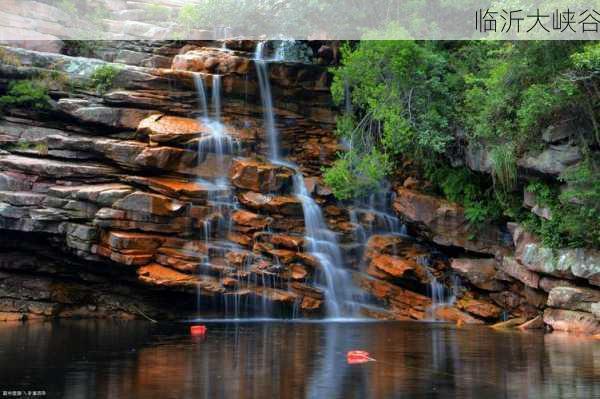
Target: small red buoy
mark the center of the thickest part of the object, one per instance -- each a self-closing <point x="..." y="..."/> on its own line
<point x="198" y="330"/>
<point x="358" y="357"/>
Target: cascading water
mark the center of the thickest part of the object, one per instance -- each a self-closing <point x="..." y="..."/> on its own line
<point x="341" y="295"/>
<point x="262" y="71"/>
<point x="440" y="295"/>
<point x="340" y="291"/>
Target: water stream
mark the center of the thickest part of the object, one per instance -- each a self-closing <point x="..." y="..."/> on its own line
<point x="262" y="71"/>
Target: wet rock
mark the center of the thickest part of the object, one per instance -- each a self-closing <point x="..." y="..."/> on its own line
<point x="573" y="298"/>
<point x="480" y="308"/>
<point x="284" y="205"/>
<point x="160" y="276"/>
<point x="446" y="224"/>
<point x="451" y="314"/>
<point x="260" y="177"/>
<point x="537" y="323"/>
<point x="396" y="267"/>
<point x="511" y="323"/>
<point x="402" y="303"/>
<point x="168" y="158"/>
<point x="481" y="273"/>
<point x="572" y="321"/>
<point x="250" y="220"/>
<point x="211" y="60"/>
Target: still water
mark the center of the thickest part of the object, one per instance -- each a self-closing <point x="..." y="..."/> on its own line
<point x="107" y="359"/>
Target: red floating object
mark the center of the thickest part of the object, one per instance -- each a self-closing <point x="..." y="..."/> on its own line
<point x="198" y="330"/>
<point x="358" y="357"/>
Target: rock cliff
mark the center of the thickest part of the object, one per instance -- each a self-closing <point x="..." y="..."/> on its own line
<point x="109" y="206"/>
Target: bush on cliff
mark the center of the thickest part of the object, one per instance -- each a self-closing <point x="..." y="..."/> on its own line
<point x="103" y="77"/>
<point x="26" y="94"/>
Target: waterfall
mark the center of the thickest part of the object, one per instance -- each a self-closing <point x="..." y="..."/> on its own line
<point x="201" y="93"/>
<point x="322" y="244"/>
<point x="440" y="296"/>
<point x="216" y="96"/>
<point x="262" y="71"/>
<point x="217" y="143"/>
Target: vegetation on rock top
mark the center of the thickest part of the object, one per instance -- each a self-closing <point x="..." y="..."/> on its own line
<point x="429" y="103"/>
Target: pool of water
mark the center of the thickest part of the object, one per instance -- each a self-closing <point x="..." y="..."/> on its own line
<point x="135" y="359"/>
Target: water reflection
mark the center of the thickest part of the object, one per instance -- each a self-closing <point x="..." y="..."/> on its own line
<point x="293" y="360"/>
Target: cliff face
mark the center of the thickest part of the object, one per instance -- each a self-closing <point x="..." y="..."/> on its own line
<point x="109" y="207"/>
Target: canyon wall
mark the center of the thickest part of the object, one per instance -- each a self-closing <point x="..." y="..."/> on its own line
<point x="107" y="210"/>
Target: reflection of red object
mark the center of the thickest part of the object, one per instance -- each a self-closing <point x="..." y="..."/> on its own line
<point x="198" y="330"/>
<point x="357" y="357"/>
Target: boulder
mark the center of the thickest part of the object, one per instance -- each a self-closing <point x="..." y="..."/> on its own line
<point x="552" y="161"/>
<point x="480" y="272"/>
<point x="572" y="321"/>
<point x="573" y="298"/>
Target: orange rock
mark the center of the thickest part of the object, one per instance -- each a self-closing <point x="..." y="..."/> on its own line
<point x="258" y="176"/>
<point x="310" y="304"/>
<point x="480" y="308"/>
<point x="164" y="128"/>
<point x="394" y="266"/>
<point x="121" y="240"/>
<point x="282" y="204"/>
<point x="452" y="314"/>
<point x="250" y="219"/>
<point x="299" y="272"/>
<point x="211" y="60"/>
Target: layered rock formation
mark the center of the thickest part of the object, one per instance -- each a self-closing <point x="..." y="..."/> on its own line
<point x="109" y="205"/>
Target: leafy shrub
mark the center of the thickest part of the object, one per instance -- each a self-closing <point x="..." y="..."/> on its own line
<point x="26" y="94"/>
<point x="103" y="77"/>
<point x="352" y="176"/>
